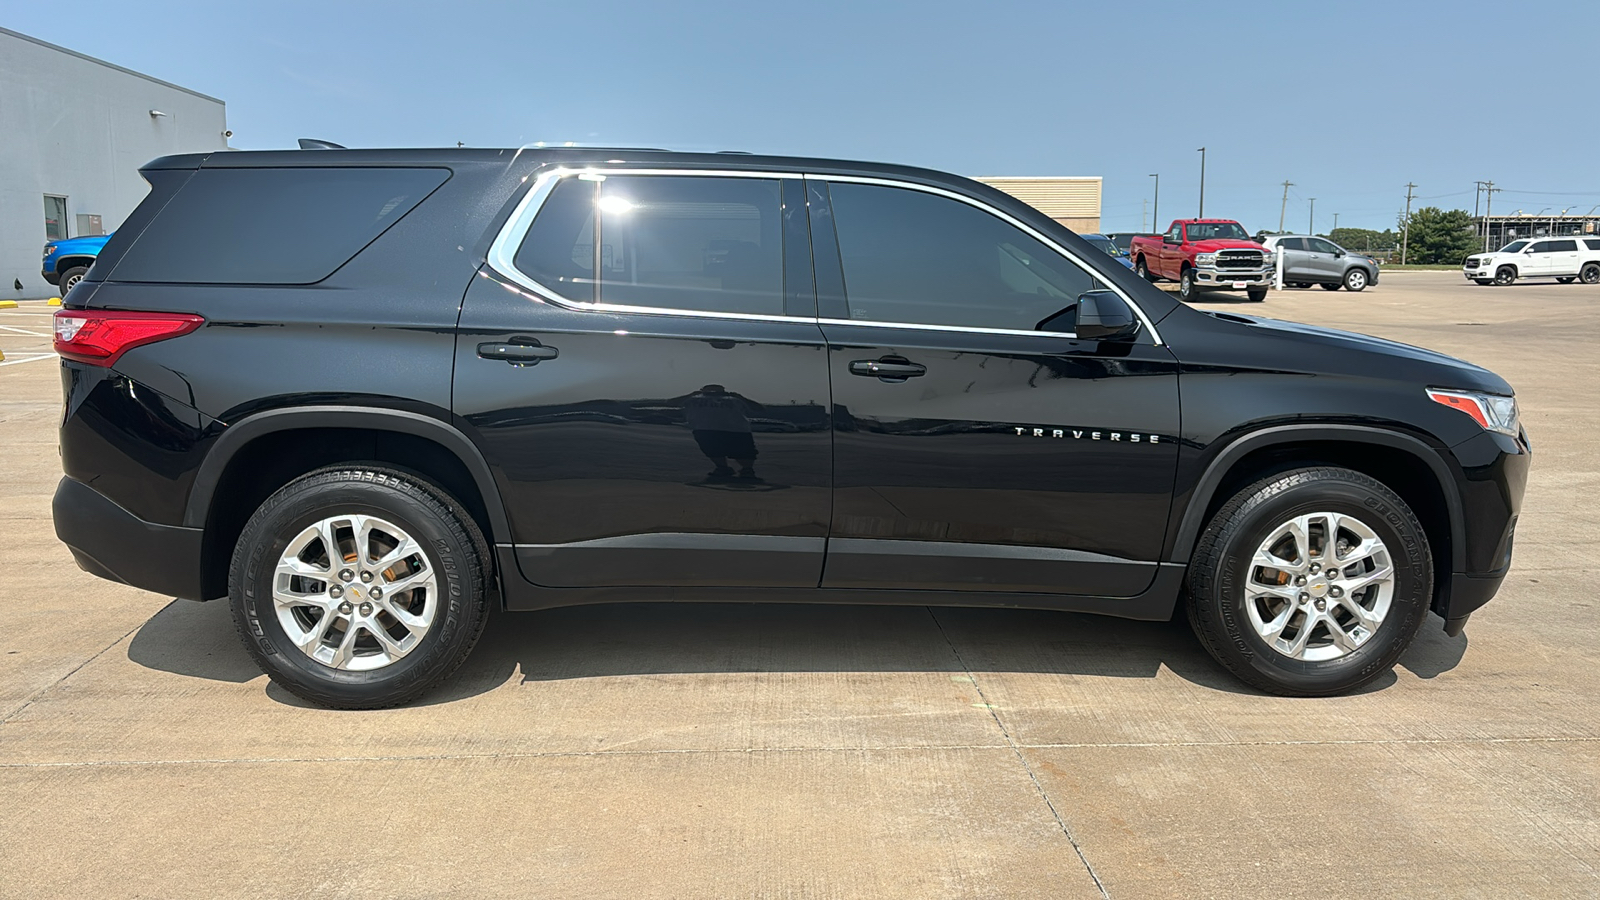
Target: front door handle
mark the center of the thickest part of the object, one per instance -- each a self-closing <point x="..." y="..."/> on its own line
<point x="528" y="353"/>
<point x="892" y="369"/>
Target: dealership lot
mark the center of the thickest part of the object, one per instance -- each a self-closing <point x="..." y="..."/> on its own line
<point x="715" y="750"/>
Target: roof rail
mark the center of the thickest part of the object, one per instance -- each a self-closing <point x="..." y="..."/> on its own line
<point x="314" y="144"/>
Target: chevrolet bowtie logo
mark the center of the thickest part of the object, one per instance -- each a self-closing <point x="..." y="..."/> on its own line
<point x="1084" y="434"/>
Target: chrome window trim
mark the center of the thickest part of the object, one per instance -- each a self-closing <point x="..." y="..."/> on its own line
<point x="1013" y="222"/>
<point x="502" y="251"/>
<point x="963" y="329"/>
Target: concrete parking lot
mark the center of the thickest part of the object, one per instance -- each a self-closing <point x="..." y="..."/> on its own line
<point x="826" y="751"/>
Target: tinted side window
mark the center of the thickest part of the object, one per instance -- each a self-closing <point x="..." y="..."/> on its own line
<point x="1592" y="243"/>
<point x="271" y="226"/>
<point x="1293" y="243"/>
<point x="1319" y="245"/>
<point x="918" y="258"/>
<point x="1542" y="247"/>
<point x="1563" y="246"/>
<point x="664" y="241"/>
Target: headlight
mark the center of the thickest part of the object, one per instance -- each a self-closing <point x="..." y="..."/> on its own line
<point x="50" y="250"/>
<point x="1266" y="258"/>
<point x="1205" y="259"/>
<point x="1492" y="411"/>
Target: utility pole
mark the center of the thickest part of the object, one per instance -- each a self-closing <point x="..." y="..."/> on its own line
<point x="1202" y="183"/>
<point x="1335" y="223"/>
<point x="1155" y="212"/>
<point x="1285" y="205"/>
<point x="1311" y="221"/>
<point x="1405" y="238"/>
<point x="1489" y="190"/>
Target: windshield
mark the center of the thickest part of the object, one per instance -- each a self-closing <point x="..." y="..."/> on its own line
<point x="1106" y="245"/>
<point x="1513" y="247"/>
<point x="1217" y="231"/>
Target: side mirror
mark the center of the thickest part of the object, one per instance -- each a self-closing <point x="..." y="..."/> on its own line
<point x="1097" y="316"/>
<point x="1338" y="254"/>
<point x="1169" y="239"/>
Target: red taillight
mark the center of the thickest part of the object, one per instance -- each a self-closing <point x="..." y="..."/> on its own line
<point x="100" y="337"/>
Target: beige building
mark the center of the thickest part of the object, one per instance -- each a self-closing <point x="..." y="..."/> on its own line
<point x="1074" y="202"/>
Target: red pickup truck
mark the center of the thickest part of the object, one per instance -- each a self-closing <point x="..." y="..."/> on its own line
<point x="1205" y="255"/>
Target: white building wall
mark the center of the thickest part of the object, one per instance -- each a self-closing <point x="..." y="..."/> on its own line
<point x="75" y="126"/>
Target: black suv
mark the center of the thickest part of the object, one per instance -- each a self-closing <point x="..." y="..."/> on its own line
<point x="368" y="394"/>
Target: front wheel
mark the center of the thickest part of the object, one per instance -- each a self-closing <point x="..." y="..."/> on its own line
<point x="71" y="277"/>
<point x="1505" y="276"/>
<point x="1256" y="295"/>
<point x="1311" y="582"/>
<point x="1590" y="274"/>
<point x="1355" y="280"/>
<point x="1186" y="286"/>
<point x="359" y="587"/>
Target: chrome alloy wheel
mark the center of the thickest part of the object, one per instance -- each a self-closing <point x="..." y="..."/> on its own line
<point x="1356" y="280"/>
<point x="69" y="284"/>
<point x="355" y="592"/>
<point x="1319" y="586"/>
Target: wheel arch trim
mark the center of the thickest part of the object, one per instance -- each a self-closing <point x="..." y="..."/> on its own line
<point x="1187" y="532"/>
<point x="239" y="435"/>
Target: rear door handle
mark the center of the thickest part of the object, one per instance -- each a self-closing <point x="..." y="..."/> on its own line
<point x="527" y="353"/>
<point x="891" y="369"/>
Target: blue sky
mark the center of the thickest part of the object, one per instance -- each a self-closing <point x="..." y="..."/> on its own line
<point x="1347" y="100"/>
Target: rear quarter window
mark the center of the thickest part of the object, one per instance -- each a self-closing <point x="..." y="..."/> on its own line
<point x="272" y="226"/>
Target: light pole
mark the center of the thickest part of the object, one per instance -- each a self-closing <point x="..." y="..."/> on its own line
<point x="1538" y="214"/>
<point x="1335" y="222"/>
<point x="1311" y="219"/>
<point x="1202" y="152"/>
<point x="1155" y="213"/>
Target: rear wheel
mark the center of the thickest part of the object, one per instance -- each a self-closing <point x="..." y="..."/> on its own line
<point x="1310" y="583"/>
<point x="1505" y="275"/>
<point x="1355" y="280"/>
<point x="359" y="587"/>
<point x="1590" y="274"/>
<point x="71" y="277"/>
<point x="1330" y="287"/>
<point x="1142" y="270"/>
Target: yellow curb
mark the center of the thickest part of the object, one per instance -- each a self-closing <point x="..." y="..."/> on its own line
<point x="53" y="301"/>
<point x="8" y="304"/>
<point x="2" y="356"/>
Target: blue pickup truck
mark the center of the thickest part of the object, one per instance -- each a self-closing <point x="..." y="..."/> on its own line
<point x="66" y="260"/>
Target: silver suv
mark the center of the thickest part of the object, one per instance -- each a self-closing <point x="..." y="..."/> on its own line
<point x="1308" y="260"/>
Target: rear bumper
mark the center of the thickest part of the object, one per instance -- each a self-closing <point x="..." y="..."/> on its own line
<point x="108" y="541"/>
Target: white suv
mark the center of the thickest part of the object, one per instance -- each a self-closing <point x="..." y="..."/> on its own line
<point x="1566" y="259"/>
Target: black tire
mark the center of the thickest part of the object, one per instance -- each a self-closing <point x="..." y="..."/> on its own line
<point x="1590" y="274"/>
<point x="1566" y="279"/>
<point x="451" y="543"/>
<point x="71" y="277"/>
<point x="1142" y="270"/>
<point x="1356" y="280"/>
<point x="1505" y="275"/>
<point x="1300" y="285"/>
<point x="1256" y="295"/>
<point x="1186" y="286"/>
<point x="1329" y="287"/>
<point x="1222" y="560"/>
<point x="1484" y="281"/>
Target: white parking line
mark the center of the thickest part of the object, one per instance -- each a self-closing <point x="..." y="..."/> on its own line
<point x="24" y="331"/>
<point x="27" y="359"/>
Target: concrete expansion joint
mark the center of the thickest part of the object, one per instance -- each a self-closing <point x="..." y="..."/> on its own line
<point x="711" y="751"/>
<point x="1017" y="751"/>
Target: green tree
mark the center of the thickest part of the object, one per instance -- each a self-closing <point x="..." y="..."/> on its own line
<point x="1362" y="240"/>
<point x="1440" y="237"/>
